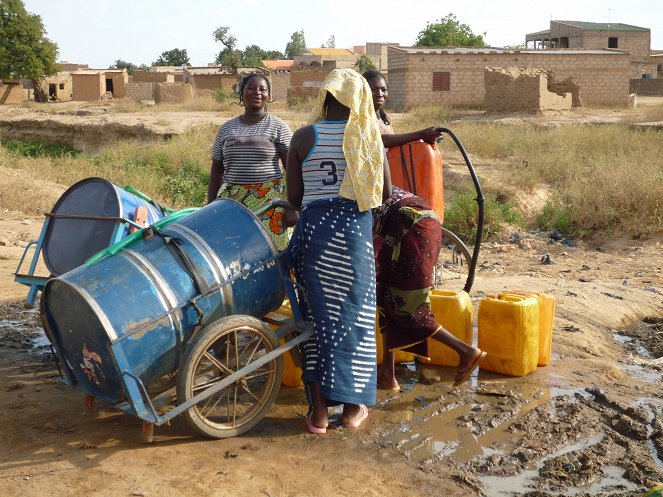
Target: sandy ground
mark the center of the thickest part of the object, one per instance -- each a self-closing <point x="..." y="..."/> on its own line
<point x="591" y="423"/>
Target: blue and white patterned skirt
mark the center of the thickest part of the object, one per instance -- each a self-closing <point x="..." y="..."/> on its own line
<point x="332" y="256"/>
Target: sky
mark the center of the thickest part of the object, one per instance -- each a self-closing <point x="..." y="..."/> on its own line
<point x="98" y="32"/>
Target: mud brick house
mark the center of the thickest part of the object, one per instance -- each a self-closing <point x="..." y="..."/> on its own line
<point x="279" y="76"/>
<point x="455" y="76"/>
<point x="333" y="58"/>
<point x="96" y="84"/>
<point x="55" y="88"/>
<point x="598" y="36"/>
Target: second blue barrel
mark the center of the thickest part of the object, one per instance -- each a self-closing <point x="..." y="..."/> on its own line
<point x="91" y="215"/>
<point x="131" y="314"/>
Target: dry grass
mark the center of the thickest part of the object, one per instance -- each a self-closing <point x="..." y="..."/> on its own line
<point x="600" y="177"/>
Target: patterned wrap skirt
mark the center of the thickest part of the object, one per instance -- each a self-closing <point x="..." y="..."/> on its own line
<point x="406" y="259"/>
<point x="332" y="257"/>
<point x="253" y="196"/>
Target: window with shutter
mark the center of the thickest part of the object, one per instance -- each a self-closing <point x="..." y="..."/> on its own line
<point x="441" y="81"/>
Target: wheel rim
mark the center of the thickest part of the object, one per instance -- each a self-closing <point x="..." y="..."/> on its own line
<point x="238" y="403"/>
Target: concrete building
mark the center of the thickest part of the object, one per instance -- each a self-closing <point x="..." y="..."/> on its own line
<point x="279" y="77"/>
<point x="334" y="58"/>
<point x="378" y="53"/>
<point x="598" y="36"/>
<point x="455" y="76"/>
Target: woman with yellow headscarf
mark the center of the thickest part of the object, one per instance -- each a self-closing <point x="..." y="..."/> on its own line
<point x="336" y="173"/>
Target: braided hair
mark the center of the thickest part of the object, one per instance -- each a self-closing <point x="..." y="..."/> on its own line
<point x="245" y="81"/>
<point x="372" y="75"/>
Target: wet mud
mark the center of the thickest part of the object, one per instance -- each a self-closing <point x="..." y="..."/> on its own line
<point x="537" y="436"/>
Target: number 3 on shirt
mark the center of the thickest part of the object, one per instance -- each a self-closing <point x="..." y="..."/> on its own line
<point x="333" y="177"/>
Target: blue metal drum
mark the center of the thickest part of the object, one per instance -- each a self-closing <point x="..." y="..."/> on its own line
<point x="123" y="323"/>
<point x="91" y="215"/>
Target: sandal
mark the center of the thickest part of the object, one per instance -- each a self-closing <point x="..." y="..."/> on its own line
<point x="465" y="374"/>
<point x="312" y="428"/>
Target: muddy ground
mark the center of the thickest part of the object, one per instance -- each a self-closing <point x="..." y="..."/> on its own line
<point x="591" y="423"/>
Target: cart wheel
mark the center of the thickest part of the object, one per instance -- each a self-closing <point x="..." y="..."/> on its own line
<point x="219" y="350"/>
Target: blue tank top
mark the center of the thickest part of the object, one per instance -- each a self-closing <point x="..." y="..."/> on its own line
<point x="324" y="167"/>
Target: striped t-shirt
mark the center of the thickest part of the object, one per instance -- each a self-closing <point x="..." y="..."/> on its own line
<point x="250" y="153"/>
<point x="324" y="167"/>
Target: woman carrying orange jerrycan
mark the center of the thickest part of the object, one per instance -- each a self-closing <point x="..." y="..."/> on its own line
<point x="410" y="237"/>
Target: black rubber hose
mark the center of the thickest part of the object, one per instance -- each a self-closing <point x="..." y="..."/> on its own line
<point x="480" y="201"/>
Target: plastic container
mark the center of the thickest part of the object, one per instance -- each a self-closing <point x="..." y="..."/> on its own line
<point x="509" y="333"/>
<point x="292" y="374"/>
<point x="546" y="313"/>
<point x="417" y="168"/>
<point x="453" y="310"/>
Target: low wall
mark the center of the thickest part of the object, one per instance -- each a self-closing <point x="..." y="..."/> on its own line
<point x="173" y="93"/>
<point x="647" y="87"/>
<point x="11" y="93"/>
<point x="302" y="92"/>
<point x="140" y="90"/>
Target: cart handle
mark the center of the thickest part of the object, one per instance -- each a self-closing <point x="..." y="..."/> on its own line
<point x="115" y="248"/>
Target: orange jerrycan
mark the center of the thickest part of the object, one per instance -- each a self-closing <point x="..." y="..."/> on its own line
<point x="509" y="333"/>
<point x="417" y="168"/>
<point x="453" y="310"/>
<point x="546" y="313"/>
<point x="292" y="374"/>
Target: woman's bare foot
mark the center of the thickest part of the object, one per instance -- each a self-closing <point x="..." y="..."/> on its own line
<point x="387" y="382"/>
<point x="354" y="415"/>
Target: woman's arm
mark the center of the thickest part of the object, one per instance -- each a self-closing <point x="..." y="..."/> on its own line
<point x="215" y="178"/>
<point x="386" y="186"/>
<point x="293" y="166"/>
<point x="429" y="135"/>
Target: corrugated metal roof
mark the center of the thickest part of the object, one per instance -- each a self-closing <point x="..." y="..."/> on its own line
<point x="596" y="26"/>
<point x="330" y="52"/>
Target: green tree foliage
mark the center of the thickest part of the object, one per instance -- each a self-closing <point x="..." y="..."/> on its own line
<point x="25" y="52"/>
<point x="123" y="64"/>
<point x="229" y="57"/>
<point x="449" y="32"/>
<point x="296" y="45"/>
<point x="331" y="42"/>
<point x="364" y="63"/>
<point x="174" y="57"/>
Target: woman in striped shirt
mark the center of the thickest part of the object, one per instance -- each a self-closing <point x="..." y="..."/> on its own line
<point x="245" y="158"/>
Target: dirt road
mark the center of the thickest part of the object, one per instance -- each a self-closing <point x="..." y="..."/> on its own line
<point x="591" y="423"/>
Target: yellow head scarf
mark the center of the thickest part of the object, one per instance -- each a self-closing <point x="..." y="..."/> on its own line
<point x="362" y="144"/>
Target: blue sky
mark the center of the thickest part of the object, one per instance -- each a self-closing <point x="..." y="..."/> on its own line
<point x="97" y="32"/>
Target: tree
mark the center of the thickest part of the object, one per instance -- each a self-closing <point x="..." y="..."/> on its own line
<point x="274" y="55"/>
<point x="296" y="45"/>
<point x="123" y="64"/>
<point x="25" y="52"/>
<point x="252" y="56"/>
<point x="174" y="57"/>
<point x="364" y="63"/>
<point x="229" y="56"/>
<point x="331" y="42"/>
<point x="449" y="32"/>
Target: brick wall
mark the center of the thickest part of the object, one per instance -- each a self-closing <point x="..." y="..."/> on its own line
<point x="648" y="87"/>
<point x="307" y="76"/>
<point x="173" y="93"/>
<point x="140" y="90"/>
<point x="602" y="78"/>
<point x="153" y="77"/>
<point x="301" y="92"/>
<point x="516" y="89"/>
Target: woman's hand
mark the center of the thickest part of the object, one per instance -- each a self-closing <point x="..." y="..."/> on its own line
<point x="290" y="217"/>
<point x="430" y="135"/>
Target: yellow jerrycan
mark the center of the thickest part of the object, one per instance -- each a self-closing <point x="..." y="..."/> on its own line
<point x="509" y="333"/>
<point x="453" y="310"/>
<point x="400" y="356"/>
<point x="546" y="313"/>
<point x="292" y="374"/>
